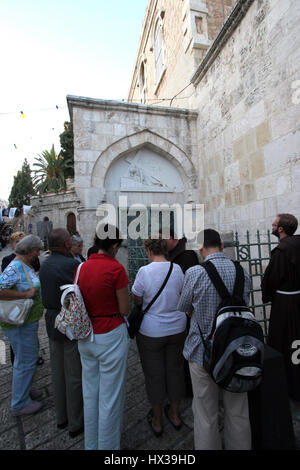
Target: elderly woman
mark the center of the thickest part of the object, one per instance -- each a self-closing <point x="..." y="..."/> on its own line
<point x="14" y="284"/>
<point x="35" y="264"/>
<point x="14" y="239"/>
<point x="104" y="283"/>
<point x="161" y="336"/>
<point x="76" y="248"/>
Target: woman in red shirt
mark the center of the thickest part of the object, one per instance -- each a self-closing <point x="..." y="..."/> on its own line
<point x="104" y="283"/>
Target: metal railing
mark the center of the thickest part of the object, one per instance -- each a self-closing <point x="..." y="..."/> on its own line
<point x="253" y="253"/>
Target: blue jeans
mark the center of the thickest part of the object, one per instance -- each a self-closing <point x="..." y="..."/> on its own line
<point x="103" y="382"/>
<point x="25" y="345"/>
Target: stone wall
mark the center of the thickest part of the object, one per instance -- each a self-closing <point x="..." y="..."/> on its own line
<point x="245" y="88"/>
<point x="235" y="139"/>
<point x="57" y="207"/>
<point x="248" y="126"/>
<point x="106" y="131"/>
<point x="189" y="26"/>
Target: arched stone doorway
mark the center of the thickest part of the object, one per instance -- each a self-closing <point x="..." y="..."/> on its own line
<point x="71" y="223"/>
<point x="145" y="177"/>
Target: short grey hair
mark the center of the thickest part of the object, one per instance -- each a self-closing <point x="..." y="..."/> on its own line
<point x="28" y="244"/>
<point x="76" y="239"/>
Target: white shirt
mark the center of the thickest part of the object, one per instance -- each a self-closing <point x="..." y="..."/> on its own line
<point x="163" y="318"/>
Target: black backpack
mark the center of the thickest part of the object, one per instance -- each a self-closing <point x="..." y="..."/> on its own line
<point x="234" y="349"/>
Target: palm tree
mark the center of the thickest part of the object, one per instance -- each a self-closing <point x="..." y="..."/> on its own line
<point x="50" y="175"/>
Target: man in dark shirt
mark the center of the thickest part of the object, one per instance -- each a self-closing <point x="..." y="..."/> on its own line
<point x="58" y="269"/>
<point x="177" y="253"/>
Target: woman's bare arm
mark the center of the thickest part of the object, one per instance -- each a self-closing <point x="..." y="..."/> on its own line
<point x="123" y="301"/>
<point x="10" y="294"/>
<point x="137" y="300"/>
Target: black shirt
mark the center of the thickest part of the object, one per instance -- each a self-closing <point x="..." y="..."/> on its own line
<point x="8" y="259"/>
<point x="58" y="269"/>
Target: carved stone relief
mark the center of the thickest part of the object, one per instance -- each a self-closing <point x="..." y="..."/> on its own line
<point x="143" y="171"/>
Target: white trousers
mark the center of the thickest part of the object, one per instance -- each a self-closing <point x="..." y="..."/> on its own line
<point x="237" y="431"/>
<point x="104" y="363"/>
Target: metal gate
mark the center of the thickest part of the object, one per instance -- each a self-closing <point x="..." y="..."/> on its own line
<point x="253" y="253"/>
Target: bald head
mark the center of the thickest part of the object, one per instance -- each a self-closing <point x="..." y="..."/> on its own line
<point x="60" y="240"/>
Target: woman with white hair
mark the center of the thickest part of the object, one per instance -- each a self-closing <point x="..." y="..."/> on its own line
<point x="35" y="263"/>
<point x="19" y="281"/>
<point x="76" y="248"/>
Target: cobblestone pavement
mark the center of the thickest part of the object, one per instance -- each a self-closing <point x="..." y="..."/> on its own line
<point x="39" y="432"/>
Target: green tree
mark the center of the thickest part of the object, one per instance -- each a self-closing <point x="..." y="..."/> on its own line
<point x="50" y="173"/>
<point x="22" y="187"/>
<point x="67" y="148"/>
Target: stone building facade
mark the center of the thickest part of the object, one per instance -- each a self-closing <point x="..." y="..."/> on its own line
<point x="242" y="77"/>
<point x="212" y="118"/>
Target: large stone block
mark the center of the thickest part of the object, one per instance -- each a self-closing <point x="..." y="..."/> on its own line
<point x="285" y="121"/>
<point x="232" y="176"/>
<point x="263" y="134"/>
<point x="239" y="148"/>
<point x="257" y="164"/>
<point x="281" y="152"/>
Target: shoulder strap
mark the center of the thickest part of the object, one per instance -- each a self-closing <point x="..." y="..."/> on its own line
<point x="239" y="285"/>
<point x="216" y="279"/>
<point x="27" y="275"/>
<point x="77" y="273"/>
<point x="160" y="290"/>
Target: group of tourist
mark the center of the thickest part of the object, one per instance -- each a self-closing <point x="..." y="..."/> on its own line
<point x="89" y="375"/>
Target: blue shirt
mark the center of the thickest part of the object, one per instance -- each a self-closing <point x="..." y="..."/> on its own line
<point x="200" y="298"/>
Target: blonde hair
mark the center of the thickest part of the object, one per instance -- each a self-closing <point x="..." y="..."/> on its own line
<point x="16" y="235"/>
<point x="157" y="246"/>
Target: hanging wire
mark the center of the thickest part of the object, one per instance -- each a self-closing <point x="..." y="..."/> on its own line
<point x="34" y="110"/>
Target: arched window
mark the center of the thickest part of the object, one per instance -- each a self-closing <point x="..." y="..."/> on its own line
<point x="71" y="223"/>
<point x="142" y="83"/>
<point x="158" y="50"/>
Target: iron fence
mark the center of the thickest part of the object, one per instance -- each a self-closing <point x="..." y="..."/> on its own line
<point x="253" y="253"/>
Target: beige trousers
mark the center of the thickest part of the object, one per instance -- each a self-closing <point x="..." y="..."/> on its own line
<point x="237" y="431"/>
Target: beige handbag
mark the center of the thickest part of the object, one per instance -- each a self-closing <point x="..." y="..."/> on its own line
<point x="16" y="312"/>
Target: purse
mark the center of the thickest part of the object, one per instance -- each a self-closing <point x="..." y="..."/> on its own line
<point x="136" y="315"/>
<point x="16" y="312"/>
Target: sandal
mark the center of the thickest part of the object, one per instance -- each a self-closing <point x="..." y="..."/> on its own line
<point x="40" y="361"/>
<point x="176" y="426"/>
<point x="149" y="420"/>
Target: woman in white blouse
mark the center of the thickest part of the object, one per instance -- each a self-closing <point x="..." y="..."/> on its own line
<point x="161" y="336"/>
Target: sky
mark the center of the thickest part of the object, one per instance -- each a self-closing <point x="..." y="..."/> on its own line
<point x="51" y="49"/>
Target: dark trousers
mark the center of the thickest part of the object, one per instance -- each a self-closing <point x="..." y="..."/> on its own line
<point x="162" y="363"/>
<point x="67" y="385"/>
<point x="187" y="373"/>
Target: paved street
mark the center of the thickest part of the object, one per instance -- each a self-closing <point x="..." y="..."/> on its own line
<point x="39" y="432"/>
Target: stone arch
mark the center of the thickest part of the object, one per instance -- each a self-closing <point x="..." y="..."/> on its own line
<point x="157" y="143"/>
<point x="71" y="222"/>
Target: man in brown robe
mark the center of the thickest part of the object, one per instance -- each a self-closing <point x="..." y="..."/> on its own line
<point x="281" y="286"/>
